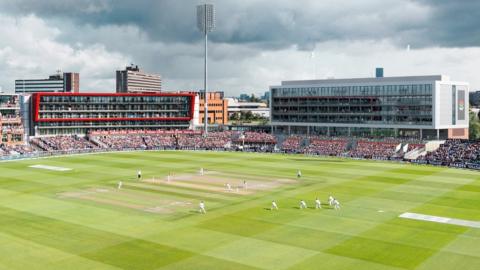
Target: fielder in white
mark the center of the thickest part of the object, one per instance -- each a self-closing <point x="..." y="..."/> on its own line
<point x="201" y="207"/>
<point x="201" y="171"/>
<point x="336" y="204"/>
<point x="299" y="174"/>
<point x="303" y="204"/>
<point x="274" y="206"/>
<point x="228" y="187"/>
<point x="318" y="204"/>
<point x="139" y="174"/>
<point x="120" y="184"/>
<point x="245" y="185"/>
<point x="330" y="200"/>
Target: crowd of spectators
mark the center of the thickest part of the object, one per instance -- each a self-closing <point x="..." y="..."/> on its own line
<point x="292" y="144"/>
<point x="119" y="142"/>
<point x="257" y="138"/>
<point x="159" y="141"/>
<point x="18" y="149"/>
<point x="226" y="140"/>
<point x="185" y="141"/>
<point x="326" y="147"/>
<point x="214" y="141"/>
<point x="457" y="153"/>
<point x="64" y="143"/>
<point x="14" y="150"/>
<point x="374" y="150"/>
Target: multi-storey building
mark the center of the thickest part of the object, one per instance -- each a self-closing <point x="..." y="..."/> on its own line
<point x="429" y="107"/>
<point x="11" y="127"/>
<point x="62" y="113"/>
<point x="134" y="80"/>
<point x="217" y="108"/>
<point x="256" y="108"/>
<point x="67" y="82"/>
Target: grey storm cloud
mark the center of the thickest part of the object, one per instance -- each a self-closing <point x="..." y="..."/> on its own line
<point x="454" y="23"/>
<point x="257" y="42"/>
<point x="277" y="24"/>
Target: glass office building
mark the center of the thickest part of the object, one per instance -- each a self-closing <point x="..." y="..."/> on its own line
<point x="64" y="113"/>
<point x="412" y="107"/>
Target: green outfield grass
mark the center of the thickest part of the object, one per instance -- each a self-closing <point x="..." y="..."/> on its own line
<point x="78" y="219"/>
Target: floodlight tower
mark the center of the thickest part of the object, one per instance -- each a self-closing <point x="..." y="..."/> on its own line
<point x="205" y="23"/>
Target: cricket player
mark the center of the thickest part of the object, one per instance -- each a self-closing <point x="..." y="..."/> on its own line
<point x="299" y="174"/>
<point x="168" y="178"/>
<point x="120" y="185"/>
<point x="139" y="174"/>
<point x="303" y="204"/>
<point x="336" y="204"/>
<point x="274" y="206"/>
<point x="201" y="171"/>
<point x="318" y="204"/>
<point x="201" y="209"/>
<point x="245" y="185"/>
<point x="330" y="200"/>
<point x="228" y="187"/>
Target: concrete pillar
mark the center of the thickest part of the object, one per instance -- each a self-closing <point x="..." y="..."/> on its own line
<point x="289" y="131"/>
<point x="421" y="134"/>
<point x="438" y="134"/>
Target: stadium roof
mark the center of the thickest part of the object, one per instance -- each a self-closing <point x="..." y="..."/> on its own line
<point x="369" y="80"/>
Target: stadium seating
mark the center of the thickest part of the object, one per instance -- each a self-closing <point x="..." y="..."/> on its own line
<point x="326" y="147"/>
<point x="374" y="150"/>
<point x="456" y="153"/>
<point x="63" y="143"/>
<point x="292" y="144"/>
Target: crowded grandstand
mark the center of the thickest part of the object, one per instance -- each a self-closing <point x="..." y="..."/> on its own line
<point x="455" y="153"/>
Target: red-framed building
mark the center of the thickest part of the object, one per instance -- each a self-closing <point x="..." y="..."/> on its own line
<point x="80" y="113"/>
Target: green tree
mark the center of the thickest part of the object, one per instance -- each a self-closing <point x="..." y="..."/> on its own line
<point x="474" y="128"/>
<point x="253" y="98"/>
<point x="235" y="116"/>
<point x="249" y="116"/>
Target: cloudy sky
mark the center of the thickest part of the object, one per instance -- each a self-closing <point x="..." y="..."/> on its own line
<point x="257" y="43"/>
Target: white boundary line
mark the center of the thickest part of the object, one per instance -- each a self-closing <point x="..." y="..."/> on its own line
<point x="444" y="220"/>
<point x="52" y="168"/>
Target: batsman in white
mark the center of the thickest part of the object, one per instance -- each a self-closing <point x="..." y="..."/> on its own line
<point x="274" y="206"/>
<point x="303" y="204"/>
<point x="318" y="204"/>
<point x="201" y="207"/>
